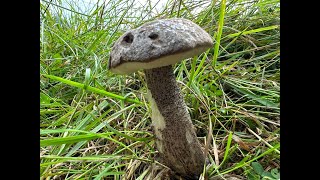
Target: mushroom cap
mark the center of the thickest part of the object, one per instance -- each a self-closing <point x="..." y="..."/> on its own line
<point x="158" y="43"/>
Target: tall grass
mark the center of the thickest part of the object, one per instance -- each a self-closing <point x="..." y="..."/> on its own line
<point x="96" y="125"/>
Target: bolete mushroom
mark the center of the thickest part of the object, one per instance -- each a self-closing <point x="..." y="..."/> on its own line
<point x="154" y="47"/>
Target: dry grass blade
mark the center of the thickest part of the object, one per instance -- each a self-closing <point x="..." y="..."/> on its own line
<point x="262" y="140"/>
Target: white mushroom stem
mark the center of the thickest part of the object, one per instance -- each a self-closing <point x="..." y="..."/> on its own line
<point x="176" y="139"/>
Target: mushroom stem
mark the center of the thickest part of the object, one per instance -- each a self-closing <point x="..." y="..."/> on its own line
<point x="176" y="139"/>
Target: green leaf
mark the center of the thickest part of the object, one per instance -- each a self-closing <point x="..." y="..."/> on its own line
<point x="267" y="175"/>
<point x="251" y="175"/>
<point x="57" y="56"/>
<point x="275" y="173"/>
<point x="218" y="93"/>
<point x="44" y="99"/>
<point x="223" y="110"/>
<point x="257" y="167"/>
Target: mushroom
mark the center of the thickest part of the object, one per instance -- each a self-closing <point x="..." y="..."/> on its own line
<point x="154" y="47"/>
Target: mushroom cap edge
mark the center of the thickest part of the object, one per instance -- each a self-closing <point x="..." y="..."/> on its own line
<point x="158" y="43"/>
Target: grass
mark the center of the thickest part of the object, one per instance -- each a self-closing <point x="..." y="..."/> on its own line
<point x="96" y="125"/>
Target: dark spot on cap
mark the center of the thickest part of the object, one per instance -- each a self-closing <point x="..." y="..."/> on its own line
<point x="153" y="36"/>
<point x="128" y="38"/>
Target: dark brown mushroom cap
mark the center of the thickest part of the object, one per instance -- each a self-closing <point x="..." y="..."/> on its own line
<point x="158" y="43"/>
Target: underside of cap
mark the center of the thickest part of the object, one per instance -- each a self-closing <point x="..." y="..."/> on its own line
<point x="158" y="43"/>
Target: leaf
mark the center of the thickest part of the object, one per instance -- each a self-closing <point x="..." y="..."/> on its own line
<point x="57" y="61"/>
<point x="277" y="146"/>
<point x="57" y="56"/>
<point x="275" y="173"/>
<point x="44" y="99"/>
<point x="257" y="168"/>
<point x="258" y="67"/>
<point x="267" y="175"/>
<point x="218" y="93"/>
<point x="223" y="110"/>
<point x="253" y="176"/>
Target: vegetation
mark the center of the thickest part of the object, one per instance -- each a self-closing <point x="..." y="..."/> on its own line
<point x="96" y="125"/>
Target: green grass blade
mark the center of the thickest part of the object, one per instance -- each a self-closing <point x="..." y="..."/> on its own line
<point x="55" y="131"/>
<point x="253" y="31"/>
<point x="71" y="139"/>
<point x="219" y="33"/>
<point x="277" y="146"/>
<point x="105" y="170"/>
<point x="92" y="89"/>
<point x="124" y="135"/>
<point x="227" y="147"/>
<point x="254" y="97"/>
<point x="85" y="158"/>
